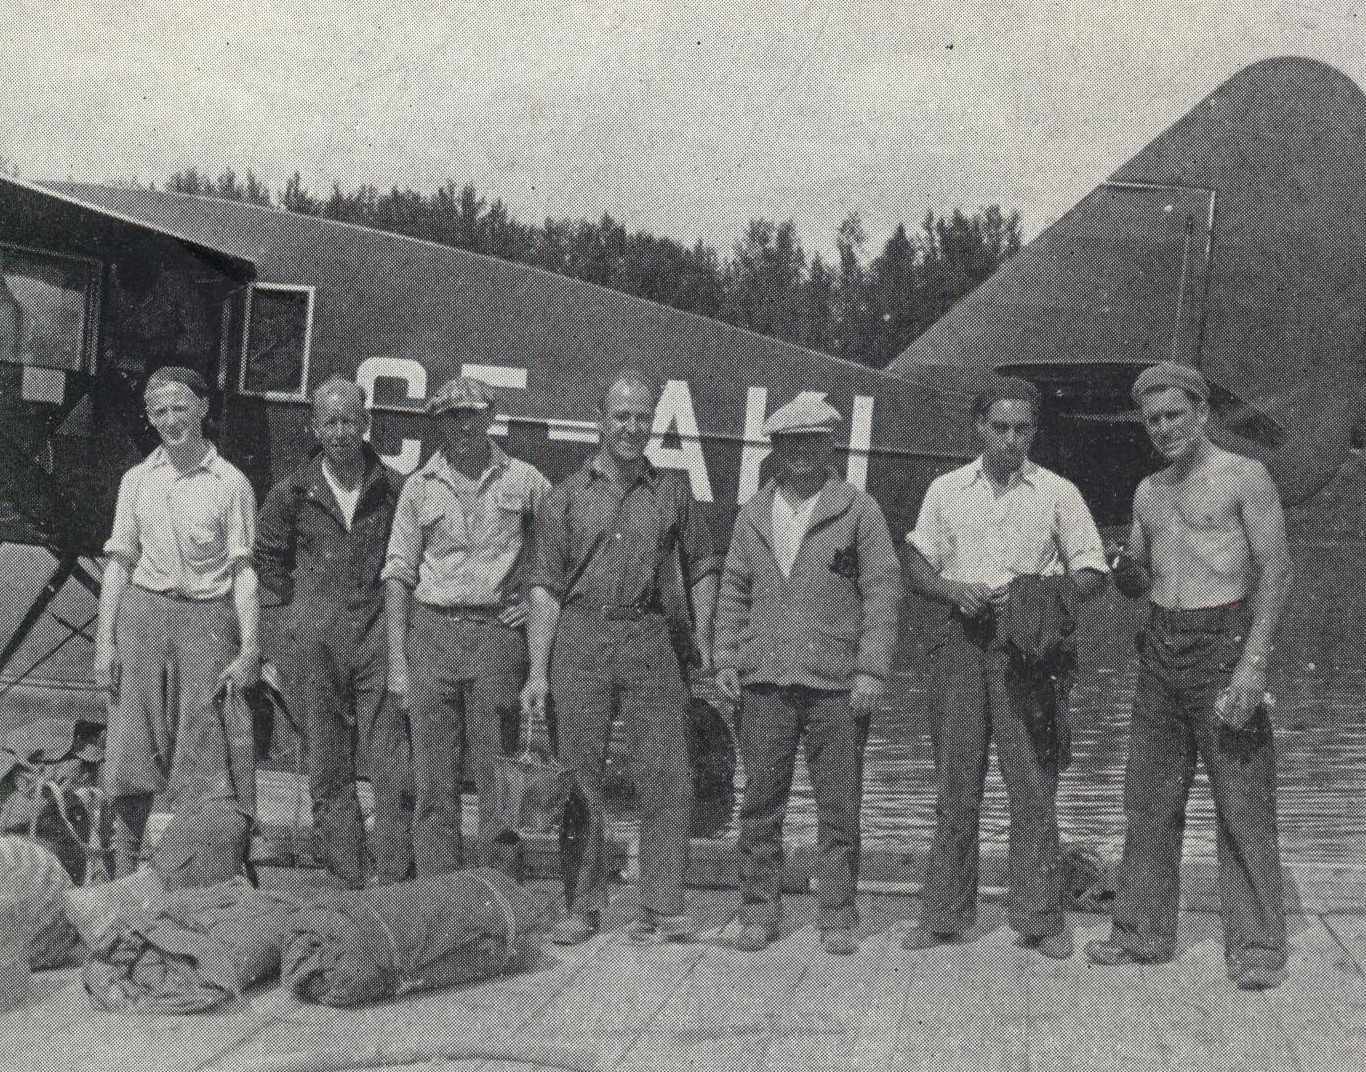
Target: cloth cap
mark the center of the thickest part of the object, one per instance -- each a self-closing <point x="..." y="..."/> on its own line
<point x="178" y="374"/>
<point x="1003" y="388"/>
<point x="803" y="414"/>
<point x="1170" y="374"/>
<point x="462" y="392"/>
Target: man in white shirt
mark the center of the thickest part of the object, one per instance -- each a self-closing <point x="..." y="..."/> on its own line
<point x="981" y="526"/>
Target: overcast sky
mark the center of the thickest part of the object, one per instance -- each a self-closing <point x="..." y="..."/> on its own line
<point x="687" y="117"/>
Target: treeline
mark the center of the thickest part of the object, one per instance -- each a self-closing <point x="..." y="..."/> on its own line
<point x="861" y="306"/>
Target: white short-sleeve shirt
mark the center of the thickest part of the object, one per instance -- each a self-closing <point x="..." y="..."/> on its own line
<point x="1039" y="525"/>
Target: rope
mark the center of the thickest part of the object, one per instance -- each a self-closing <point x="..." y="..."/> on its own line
<point x="509" y="917"/>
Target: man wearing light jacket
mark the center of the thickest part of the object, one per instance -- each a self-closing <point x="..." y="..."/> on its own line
<point x="806" y="621"/>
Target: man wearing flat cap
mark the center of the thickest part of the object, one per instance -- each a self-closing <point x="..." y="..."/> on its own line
<point x="611" y="540"/>
<point x="320" y="547"/>
<point x="458" y="658"/>
<point x="986" y="533"/>
<point x="177" y="618"/>
<point x="806" y="622"/>
<point x="1208" y="549"/>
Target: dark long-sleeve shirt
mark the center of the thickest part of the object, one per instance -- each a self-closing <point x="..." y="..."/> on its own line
<point x="610" y="545"/>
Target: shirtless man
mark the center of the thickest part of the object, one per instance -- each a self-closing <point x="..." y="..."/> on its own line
<point x="1209" y="549"/>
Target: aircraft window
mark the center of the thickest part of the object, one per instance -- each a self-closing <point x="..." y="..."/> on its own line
<point x="279" y="330"/>
<point x="46" y="302"/>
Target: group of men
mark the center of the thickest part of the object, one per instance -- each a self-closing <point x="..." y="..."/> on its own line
<point x="427" y="617"/>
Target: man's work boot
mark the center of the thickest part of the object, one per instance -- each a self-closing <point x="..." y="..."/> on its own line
<point x="839" y="941"/>
<point x="917" y="938"/>
<point x="650" y="926"/>
<point x="575" y="928"/>
<point x="128" y="821"/>
<point x="1110" y="954"/>
<point x="1057" y="946"/>
<point x="754" y="937"/>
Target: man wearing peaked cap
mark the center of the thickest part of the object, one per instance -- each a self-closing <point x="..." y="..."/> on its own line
<point x="1208" y="550"/>
<point x="997" y="536"/>
<point x="457" y="660"/>
<point x="463" y="393"/>
<point x="805" y="631"/>
<point x="805" y="413"/>
<point x="1170" y="374"/>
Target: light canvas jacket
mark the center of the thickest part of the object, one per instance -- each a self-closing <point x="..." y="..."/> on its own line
<point x="835" y="616"/>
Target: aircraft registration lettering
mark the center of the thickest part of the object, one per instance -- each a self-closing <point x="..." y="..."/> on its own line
<point x="675" y="413"/>
<point x="414" y="375"/>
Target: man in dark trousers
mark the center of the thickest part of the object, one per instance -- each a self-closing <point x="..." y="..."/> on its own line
<point x="806" y="618"/>
<point x="457" y="660"/>
<point x="320" y="545"/>
<point x="980" y="527"/>
<point x="608" y="540"/>
<point x="177" y="618"/>
<point x="1208" y="549"/>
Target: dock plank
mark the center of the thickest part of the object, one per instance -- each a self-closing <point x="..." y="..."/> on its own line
<point x="967" y="1003"/>
<point x="1321" y="1007"/>
<point x="843" y="1015"/>
<point x="1085" y="1017"/>
<point x="725" y="1018"/>
<point x="1351" y="932"/>
<point x="622" y="990"/>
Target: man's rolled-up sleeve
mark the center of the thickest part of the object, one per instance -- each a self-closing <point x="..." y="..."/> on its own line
<point x="239" y="522"/>
<point x="405" y="539"/>
<point x="699" y="548"/>
<point x="1078" y="537"/>
<point x="550" y="560"/>
<point x="928" y="536"/>
<point x="123" y="543"/>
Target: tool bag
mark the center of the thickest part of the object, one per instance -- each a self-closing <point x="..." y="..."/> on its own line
<point x="32" y="884"/>
<point x="530" y="790"/>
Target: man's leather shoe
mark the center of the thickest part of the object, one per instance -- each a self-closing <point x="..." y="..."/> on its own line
<point x="1258" y="977"/>
<point x="1058" y="946"/>
<point x="1111" y="954"/>
<point x="754" y="937"/>
<point x="839" y="941"/>
<point x="918" y="937"/>
<point x="575" y="928"/>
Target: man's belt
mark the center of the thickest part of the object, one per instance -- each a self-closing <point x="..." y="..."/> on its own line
<point x="464" y="612"/>
<point x="616" y="612"/>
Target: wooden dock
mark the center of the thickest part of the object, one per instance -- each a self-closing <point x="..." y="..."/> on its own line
<point x="984" y="1004"/>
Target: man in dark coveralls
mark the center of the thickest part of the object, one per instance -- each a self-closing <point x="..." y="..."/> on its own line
<point x="606" y="543"/>
<point x="320" y="544"/>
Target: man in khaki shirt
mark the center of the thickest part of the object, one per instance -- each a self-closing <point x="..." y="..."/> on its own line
<point x="458" y="659"/>
<point x="177" y="617"/>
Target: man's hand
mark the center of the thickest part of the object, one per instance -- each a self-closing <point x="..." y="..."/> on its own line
<point x="514" y="617"/>
<point x="728" y="683"/>
<point x="106" y="671"/>
<point x="243" y="672"/>
<point x="1246" y="692"/>
<point x="973" y="599"/>
<point x="1129" y="575"/>
<point x="535" y="700"/>
<point x="867" y="693"/>
<point x="397" y="684"/>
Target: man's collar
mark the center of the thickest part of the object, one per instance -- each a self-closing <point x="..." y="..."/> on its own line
<point x="1027" y="473"/>
<point x="648" y="473"/>
<point x="209" y="463"/>
<point x="440" y="468"/>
